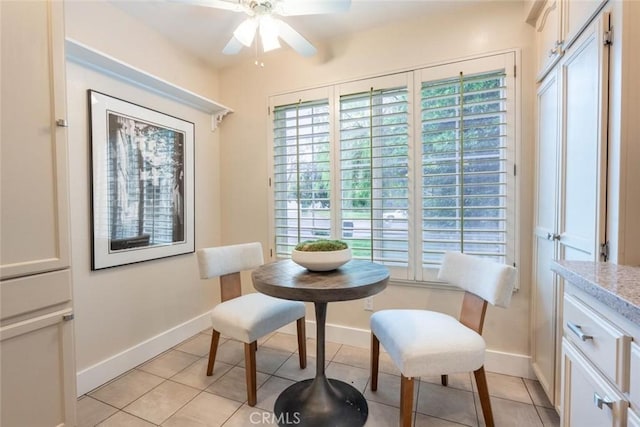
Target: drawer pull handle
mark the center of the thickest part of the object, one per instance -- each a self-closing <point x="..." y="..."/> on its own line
<point x="577" y="329"/>
<point x="600" y="401"/>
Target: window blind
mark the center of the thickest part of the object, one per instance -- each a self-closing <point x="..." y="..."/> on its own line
<point x="302" y="170"/>
<point x="374" y="184"/>
<point x="464" y="165"/>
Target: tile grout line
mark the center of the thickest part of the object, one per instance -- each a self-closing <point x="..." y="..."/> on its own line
<point x="329" y="361"/>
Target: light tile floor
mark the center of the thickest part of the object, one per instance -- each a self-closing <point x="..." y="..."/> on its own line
<point x="173" y="390"/>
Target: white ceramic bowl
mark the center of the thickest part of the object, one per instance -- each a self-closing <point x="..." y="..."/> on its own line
<point x="321" y="260"/>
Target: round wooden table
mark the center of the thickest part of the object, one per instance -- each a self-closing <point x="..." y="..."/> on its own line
<point x="321" y="402"/>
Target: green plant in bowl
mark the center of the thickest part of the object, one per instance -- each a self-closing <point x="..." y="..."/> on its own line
<point x="321" y="255"/>
<point x="321" y="245"/>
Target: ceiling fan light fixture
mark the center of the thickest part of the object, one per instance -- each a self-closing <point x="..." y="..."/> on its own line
<point x="269" y="33"/>
<point x="246" y="31"/>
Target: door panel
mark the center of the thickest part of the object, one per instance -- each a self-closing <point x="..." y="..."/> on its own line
<point x="544" y="300"/>
<point x="34" y="353"/>
<point x="584" y="99"/>
<point x="544" y="317"/>
<point x="34" y="215"/>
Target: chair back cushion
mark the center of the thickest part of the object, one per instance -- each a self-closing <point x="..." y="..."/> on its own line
<point x="483" y="277"/>
<point x="221" y="260"/>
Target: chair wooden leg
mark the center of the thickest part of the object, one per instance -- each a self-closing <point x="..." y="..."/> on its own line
<point x="302" y="342"/>
<point x="483" y="393"/>
<point x="375" y="357"/>
<point x="250" y="371"/>
<point x="444" y="379"/>
<point x="215" y="338"/>
<point x="406" y="401"/>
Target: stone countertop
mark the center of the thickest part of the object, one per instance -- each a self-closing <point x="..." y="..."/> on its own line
<point x="617" y="286"/>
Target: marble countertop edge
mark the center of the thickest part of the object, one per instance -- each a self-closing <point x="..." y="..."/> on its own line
<point x="617" y="286"/>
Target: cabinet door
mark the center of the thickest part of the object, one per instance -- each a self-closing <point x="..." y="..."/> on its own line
<point x="576" y="15"/>
<point x="548" y="42"/>
<point x="34" y="354"/>
<point x="582" y="191"/>
<point x="588" y="399"/>
<point x="34" y="215"/>
<point x="545" y="301"/>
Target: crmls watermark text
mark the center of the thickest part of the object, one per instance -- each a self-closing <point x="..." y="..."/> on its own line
<point x="281" y="419"/>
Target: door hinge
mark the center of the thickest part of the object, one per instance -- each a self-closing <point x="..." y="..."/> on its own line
<point x="269" y="181"/>
<point x="604" y="251"/>
<point x="608" y="38"/>
<point x="270" y="253"/>
<point x="514" y="169"/>
<point x="68" y="317"/>
<point x="269" y="111"/>
<point x="515" y="67"/>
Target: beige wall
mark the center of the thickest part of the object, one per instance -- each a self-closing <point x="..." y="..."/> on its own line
<point x="119" y="308"/>
<point x="477" y="29"/>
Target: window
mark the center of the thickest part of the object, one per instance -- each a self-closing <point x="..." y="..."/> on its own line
<point x="301" y="173"/>
<point x="374" y="169"/>
<point x="403" y="167"/>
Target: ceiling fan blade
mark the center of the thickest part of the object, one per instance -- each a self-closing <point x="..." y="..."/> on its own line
<point x="233" y="5"/>
<point x="311" y="7"/>
<point x="233" y="47"/>
<point x="295" y="40"/>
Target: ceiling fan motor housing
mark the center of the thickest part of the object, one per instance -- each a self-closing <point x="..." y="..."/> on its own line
<point x="261" y="7"/>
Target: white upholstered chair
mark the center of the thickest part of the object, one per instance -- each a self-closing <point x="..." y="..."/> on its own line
<point x="422" y="342"/>
<point x="246" y="317"/>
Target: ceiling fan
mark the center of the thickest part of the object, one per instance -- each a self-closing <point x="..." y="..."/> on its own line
<point x="262" y="19"/>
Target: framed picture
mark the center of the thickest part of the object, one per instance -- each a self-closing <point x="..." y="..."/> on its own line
<point x="142" y="183"/>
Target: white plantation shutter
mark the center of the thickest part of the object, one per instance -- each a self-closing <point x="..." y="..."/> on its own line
<point x="403" y="167"/>
<point x="374" y="163"/>
<point x="466" y="172"/>
<point x="301" y="173"/>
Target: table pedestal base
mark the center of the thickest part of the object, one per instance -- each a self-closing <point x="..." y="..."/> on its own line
<point x="320" y="402"/>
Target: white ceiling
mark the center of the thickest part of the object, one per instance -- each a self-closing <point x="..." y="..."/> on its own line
<point x="204" y="31"/>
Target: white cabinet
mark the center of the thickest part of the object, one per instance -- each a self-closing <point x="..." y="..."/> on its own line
<point x="588" y="400"/>
<point x="599" y="357"/>
<point x="558" y="25"/>
<point x="634" y="375"/>
<point x="35" y="224"/>
<point x="548" y="37"/>
<point x="546" y="293"/>
<point x="606" y="345"/>
<point x="36" y="331"/>
<point x="569" y="195"/>
<point x="576" y="15"/>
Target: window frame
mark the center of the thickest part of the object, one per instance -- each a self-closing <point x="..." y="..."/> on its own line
<point x="415" y="274"/>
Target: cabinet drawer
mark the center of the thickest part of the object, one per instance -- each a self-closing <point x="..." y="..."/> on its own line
<point x="604" y="344"/>
<point x="32" y="293"/>
<point x="588" y="399"/>
<point x="633" y="419"/>
<point x="634" y="383"/>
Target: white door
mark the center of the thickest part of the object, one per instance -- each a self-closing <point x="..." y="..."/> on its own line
<point x="36" y="328"/>
<point x="582" y="196"/>
<point x="544" y="293"/>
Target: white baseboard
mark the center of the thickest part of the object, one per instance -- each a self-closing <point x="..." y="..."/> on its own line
<point x="116" y="365"/>
<point x="94" y="376"/>
<point x="517" y="365"/>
